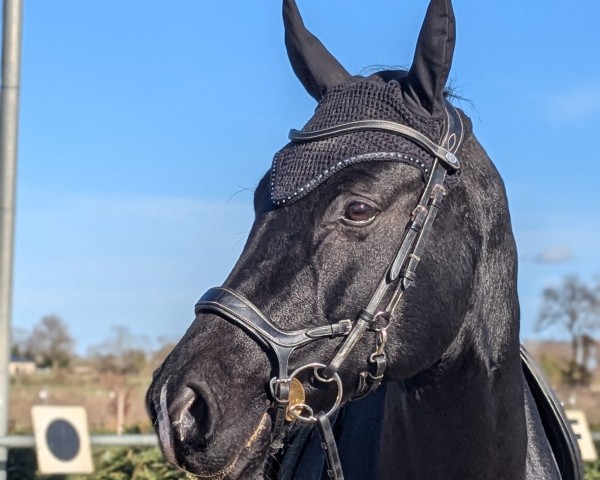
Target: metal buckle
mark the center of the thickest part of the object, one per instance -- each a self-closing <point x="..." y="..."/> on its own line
<point x="274" y="387"/>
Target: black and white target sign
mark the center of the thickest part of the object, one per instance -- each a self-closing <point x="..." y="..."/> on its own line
<point x="62" y="440"/>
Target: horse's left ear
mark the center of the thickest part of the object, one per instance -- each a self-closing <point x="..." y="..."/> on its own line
<point x="429" y="72"/>
<point x="315" y="67"/>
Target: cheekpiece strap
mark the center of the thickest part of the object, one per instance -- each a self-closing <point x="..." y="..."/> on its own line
<point x="403" y="267"/>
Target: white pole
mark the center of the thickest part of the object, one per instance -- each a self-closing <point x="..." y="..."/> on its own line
<point x="120" y="412"/>
<point x="9" y="120"/>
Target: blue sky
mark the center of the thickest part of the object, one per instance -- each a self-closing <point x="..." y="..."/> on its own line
<point x="145" y="126"/>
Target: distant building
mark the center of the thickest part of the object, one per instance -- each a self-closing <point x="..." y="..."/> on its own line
<point x="21" y="366"/>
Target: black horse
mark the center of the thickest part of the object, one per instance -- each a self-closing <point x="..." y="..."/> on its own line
<point x="326" y="334"/>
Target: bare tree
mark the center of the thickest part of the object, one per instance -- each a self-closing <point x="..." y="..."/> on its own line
<point x="574" y="306"/>
<point x="50" y="344"/>
<point x="121" y="353"/>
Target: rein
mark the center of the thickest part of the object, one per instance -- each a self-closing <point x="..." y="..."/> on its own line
<point x="286" y="389"/>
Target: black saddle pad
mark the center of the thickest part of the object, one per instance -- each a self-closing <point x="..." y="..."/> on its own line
<point x="559" y="433"/>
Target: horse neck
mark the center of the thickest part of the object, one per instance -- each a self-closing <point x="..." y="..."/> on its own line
<point x="462" y="418"/>
<point x="467" y="424"/>
<point x="466" y="414"/>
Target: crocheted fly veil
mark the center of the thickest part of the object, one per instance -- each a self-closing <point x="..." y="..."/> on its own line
<point x="413" y="98"/>
<point x="300" y="167"/>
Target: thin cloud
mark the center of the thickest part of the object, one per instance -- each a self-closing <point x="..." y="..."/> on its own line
<point x="575" y="104"/>
<point x="554" y="254"/>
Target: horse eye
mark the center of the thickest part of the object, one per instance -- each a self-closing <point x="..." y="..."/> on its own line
<point x="360" y="213"/>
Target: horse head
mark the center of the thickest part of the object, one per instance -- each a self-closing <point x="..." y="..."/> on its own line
<point x="346" y="279"/>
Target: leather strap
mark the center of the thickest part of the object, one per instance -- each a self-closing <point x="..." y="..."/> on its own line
<point x="241" y="311"/>
<point x="414" y="233"/>
<point x="237" y="309"/>
<point x="445" y="156"/>
<point x="329" y="445"/>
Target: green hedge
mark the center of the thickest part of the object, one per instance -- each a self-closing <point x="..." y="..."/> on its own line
<point x="592" y="470"/>
<point x="111" y="464"/>
<point x="136" y="464"/>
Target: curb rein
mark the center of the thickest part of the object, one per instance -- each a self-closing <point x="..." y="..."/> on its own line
<point x="286" y="390"/>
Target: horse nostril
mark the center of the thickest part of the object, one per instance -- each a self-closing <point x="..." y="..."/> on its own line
<point x="192" y="415"/>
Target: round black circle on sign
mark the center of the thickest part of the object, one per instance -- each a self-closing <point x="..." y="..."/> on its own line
<point x="63" y="440"/>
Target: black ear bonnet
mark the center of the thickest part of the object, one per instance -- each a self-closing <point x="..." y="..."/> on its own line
<point x="413" y="98"/>
<point x="300" y="167"/>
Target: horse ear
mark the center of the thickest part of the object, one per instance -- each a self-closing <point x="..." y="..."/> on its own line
<point x="429" y="72"/>
<point x="315" y="67"/>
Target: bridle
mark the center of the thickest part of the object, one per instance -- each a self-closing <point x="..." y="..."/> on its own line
<point x="286" y="390"/>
